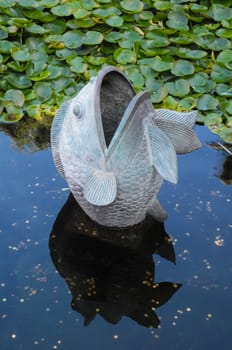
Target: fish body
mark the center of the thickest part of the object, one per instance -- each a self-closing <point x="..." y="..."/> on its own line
<point x="114" y="149"/>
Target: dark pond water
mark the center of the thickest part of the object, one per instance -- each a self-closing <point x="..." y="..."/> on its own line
<point x="63" y="288"/>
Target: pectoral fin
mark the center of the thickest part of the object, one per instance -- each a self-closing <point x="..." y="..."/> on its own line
<point x="161" y="151"/>
<point x="101" y="188"/>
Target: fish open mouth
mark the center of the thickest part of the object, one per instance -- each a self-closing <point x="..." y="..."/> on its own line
<point x="115" y="93"/>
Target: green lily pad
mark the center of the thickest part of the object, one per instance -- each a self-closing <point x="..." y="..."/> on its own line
<point x="221" y="12"/>
<point x="134" y="6"/>
<point x="15" y="96"/>
<point x="224" y="56"/>
<point x="18" y="81"/>
<point x="81" y="13"/>
<point x="57" y="27"/>
<point x="179" y="87"/>
<point x="185" y="52"/>
<point x="12" y="115"/>
<point x="43" y="90"/>
<point x="124" y="56"/>
<point x="224" y="33"/>
<point x="207" y="102"/>
<point x="35" y="28"/>
<point x="97" y="61"/>
<point x="221" y="74"/>
<point x="113" y="37"/>
<point x="224" y="90"/>
<point x="226" y="135"/>
<point x="177" y="19"/>
<point x="77" y="65"/>
<point x="182" y="68"/>
<point x="161" y="64"/>
<point x="159" y="36"/>
<point x="73" y="39"/>
<point x="21" y="55"/>
<point x="170" y="103"/>
<point x="7" y="3"/>
<point x="187" y="103"/>
<point x="114" y="21"/>
<point x="106" y="12"/>
<point x="162" y="5"/>
<point x="65" y="10"/>
<point x="135" y="77"/>
<point x="93" y="38"/>
<point x="5" y="46"/>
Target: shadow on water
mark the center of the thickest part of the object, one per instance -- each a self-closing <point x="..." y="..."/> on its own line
<point x="111" y="272"/>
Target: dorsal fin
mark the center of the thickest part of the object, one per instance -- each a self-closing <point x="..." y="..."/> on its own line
<point x="182" y="136"/>
<point x="161" y="151"/>
<point x="187" y="118"/>
<point x="101" y="188"/>
<point x="55" y="136"/>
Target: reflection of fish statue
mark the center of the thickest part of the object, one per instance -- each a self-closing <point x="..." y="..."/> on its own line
<point x="114" y="149"/>
<point x="111" y="275"/>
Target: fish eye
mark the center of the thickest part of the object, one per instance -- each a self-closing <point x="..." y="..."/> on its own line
<point x="78" y="109"/>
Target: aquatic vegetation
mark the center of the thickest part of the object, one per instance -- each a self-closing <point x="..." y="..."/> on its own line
<point x="179" y="51"/>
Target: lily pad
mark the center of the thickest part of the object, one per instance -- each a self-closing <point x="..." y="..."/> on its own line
<point x="177" y="19"/>
<point x="182" y="68"/>
<point x="114" y="21"/>
<point x="221" y="74"/>
<point x="207" y="102"/>
<point x="73" y="39"/>
<point x="134" y="6"/>
<point x="124" y="56"/>
<point x="179" y="87"/>
<point x="15" y="96"/>
<point x="93" y="38"/>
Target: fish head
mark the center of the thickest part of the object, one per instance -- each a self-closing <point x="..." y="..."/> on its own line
<point x="95" y="113"/>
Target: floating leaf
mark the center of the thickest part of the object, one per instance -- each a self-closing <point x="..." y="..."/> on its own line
<point x="159" y="36"/>
<point x="106" y="12"/>
<point x="97" y="61"/>
<point x="182" y="68"/>
<point x="184" y="52"/>
<point x="134" y="6"/>
<point x="221" y="12"/>
<point x="177" y="19"/>
<point x="93" y="38"/>
<point x="224" y="90"/>
<point x="21" y="55"/>
<point x="124" y="56"/>
<point x="187" y="103"/>
<point x="43" y="90"/>
<point x="207" y="102"/>
<point x="77" y="65"/>
<point x="73" y="39"/>
<point x="15" y="96"/>
<point x="179" y="87"/>
<point x="114" y="21"/>
<point x="224" y="56"/>
<point x="226" y="135"/>
<point x="220" y="74"/>
<point x="135" y="77"/>
<point x="160" y="64"/>
<point x="18" y="81"/>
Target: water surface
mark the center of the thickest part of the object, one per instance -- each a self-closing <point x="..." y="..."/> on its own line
<point x="51" y="282"/>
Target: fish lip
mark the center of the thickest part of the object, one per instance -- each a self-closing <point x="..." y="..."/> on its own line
<point x="97" y="107"/>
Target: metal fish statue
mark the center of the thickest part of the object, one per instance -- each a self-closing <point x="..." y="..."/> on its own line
<point x="114" y="149"/>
